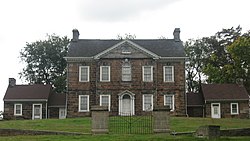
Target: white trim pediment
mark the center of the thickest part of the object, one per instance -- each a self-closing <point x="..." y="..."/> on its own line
<point x="126" y="92"/>
<point x="132" y="44"/>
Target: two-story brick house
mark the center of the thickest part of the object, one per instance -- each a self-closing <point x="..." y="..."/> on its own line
<point x="128" y="76"/>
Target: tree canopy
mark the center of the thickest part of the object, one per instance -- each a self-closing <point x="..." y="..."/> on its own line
<point x="221" y="58"/>
<point x="45" y="63"/>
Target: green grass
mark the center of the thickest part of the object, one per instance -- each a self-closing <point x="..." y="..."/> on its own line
<point x="83" y="125"/>
<point x="183" y="124"/>
<point x="116" y="137"/>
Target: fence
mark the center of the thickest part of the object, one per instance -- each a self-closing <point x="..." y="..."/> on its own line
<point x="156" y="121"/>
<point x="129" y="124"/>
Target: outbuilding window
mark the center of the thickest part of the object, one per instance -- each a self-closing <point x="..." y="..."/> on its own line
<point x="18" y="109"/>
<point x="234" y="108"/>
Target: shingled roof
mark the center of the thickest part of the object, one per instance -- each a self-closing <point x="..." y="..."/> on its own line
<point x="26" y="92"/>
<point x="92" y="47"/>
<point x="57" y="100"/>
<point x="194" y="99"/>
<point x="217" y="92"/>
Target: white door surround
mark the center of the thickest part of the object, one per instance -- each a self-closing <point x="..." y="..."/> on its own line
<point x="126" y="103"/>
<point x="215" y="110"/>
<point x="37" y="111"/>
<point x="62" y="113"/>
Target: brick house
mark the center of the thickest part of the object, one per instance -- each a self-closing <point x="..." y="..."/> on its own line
<point x="35" y="101"/>
<point x="128" y="76"/>
<point x="219" y="101"/>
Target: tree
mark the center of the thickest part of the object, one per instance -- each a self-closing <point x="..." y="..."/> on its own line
<point x="240" y="53"/>
<point x="126" y="36"/>
<point x="45" y="63"/>
<point x="219" y="65"/>
<point x="195" y="51"/>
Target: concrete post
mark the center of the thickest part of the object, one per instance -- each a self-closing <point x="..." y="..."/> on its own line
<point x="208" y="131"/>
<point x="161" y="119"/>
<point x="100" y="116"/>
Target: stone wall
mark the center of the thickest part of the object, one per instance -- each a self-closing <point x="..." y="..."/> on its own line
<point x="26" y="110"/>
<point x="235" y="132"/>
<point x="225" y="109"/>
<point x="15" y="132"/>
<point x="94" y="87"/>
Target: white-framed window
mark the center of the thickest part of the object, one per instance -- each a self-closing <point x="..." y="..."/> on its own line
<point x="147" y="73"/>
<point x="18" y="109"/>
<point x="105" y="73"/>
<point x="126" y="73"/>
<point x="105" y="101"/>
<point x="147" y="102"/>
<point x="234" y="108"/>
<point x="83" y="73"/>
<point x="168" y="72"/>
<point x="169" y="101"/>
<point x="83" y="103"/>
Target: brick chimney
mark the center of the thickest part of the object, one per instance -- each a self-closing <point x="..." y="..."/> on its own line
<point x="12" y="82"/>
<point x="177" y="34"/>
<point x="75" y="35"/>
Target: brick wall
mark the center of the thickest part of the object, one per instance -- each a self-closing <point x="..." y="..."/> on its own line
<point x="94" y="87"/>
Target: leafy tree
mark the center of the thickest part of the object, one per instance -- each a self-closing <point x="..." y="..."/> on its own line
<point x="45" y="63"/>
<point x="219" y="65"/>
<point x="195" y="51"/>
<point x="126" y="36"/>
<point x="240" y="53"/>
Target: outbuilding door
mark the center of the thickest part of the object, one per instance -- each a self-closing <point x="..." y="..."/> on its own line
<point x="37" y="111"/>
<point x="215" y="110"/>
<point x="62" y="113"/>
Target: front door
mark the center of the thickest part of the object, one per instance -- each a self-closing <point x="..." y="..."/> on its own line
<point x="126" y="105"/>
<point x="62" y="113"/>
<point x="215" y="110"/>
<point x="37" y="111"/>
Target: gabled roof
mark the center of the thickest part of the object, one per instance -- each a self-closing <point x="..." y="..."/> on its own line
<point x="218" y="92"/>
<point x="194" y="99"/>
<point x="92" y="47"/>
<point x="26" y="92"/>
<point x="57" y="100"/>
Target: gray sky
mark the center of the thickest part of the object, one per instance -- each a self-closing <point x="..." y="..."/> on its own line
<point x="30" y="20"/>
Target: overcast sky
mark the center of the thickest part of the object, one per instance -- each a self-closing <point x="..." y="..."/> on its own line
<point x="24" y="21"/>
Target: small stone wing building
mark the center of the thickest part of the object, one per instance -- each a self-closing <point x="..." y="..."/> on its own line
<point x="57" y="106"/>
<point x="129" y="76"/>
<point x="195" y="105"/>
<point x="26" y="101"/>
<point x="225" y="100"/>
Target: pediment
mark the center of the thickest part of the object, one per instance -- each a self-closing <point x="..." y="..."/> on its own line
<point x="126" y="49"/>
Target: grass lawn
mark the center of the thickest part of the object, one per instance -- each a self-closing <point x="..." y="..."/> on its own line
<point x="83" y="125"/>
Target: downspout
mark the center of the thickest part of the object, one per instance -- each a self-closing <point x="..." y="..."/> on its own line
<point x="204" y="106"/>
<point x="67" y="90"/>
<point x="46" y="109"/>
<point x="185" y="94"/>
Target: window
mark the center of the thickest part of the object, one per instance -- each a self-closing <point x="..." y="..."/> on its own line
<point x="105" y="101"/>
<point x="83" y="103"/>
<point x="169" y="101"/>
<point x="17" y="109"/>
<point x="147" y="102"/>
<point x="84" y="73"/>
<point x="234" y="108"/>
<point x="168" y="73"/>
<point x="147" y="73"/>
<point x="105" y="73"/>
<point x="126" y="73"/>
